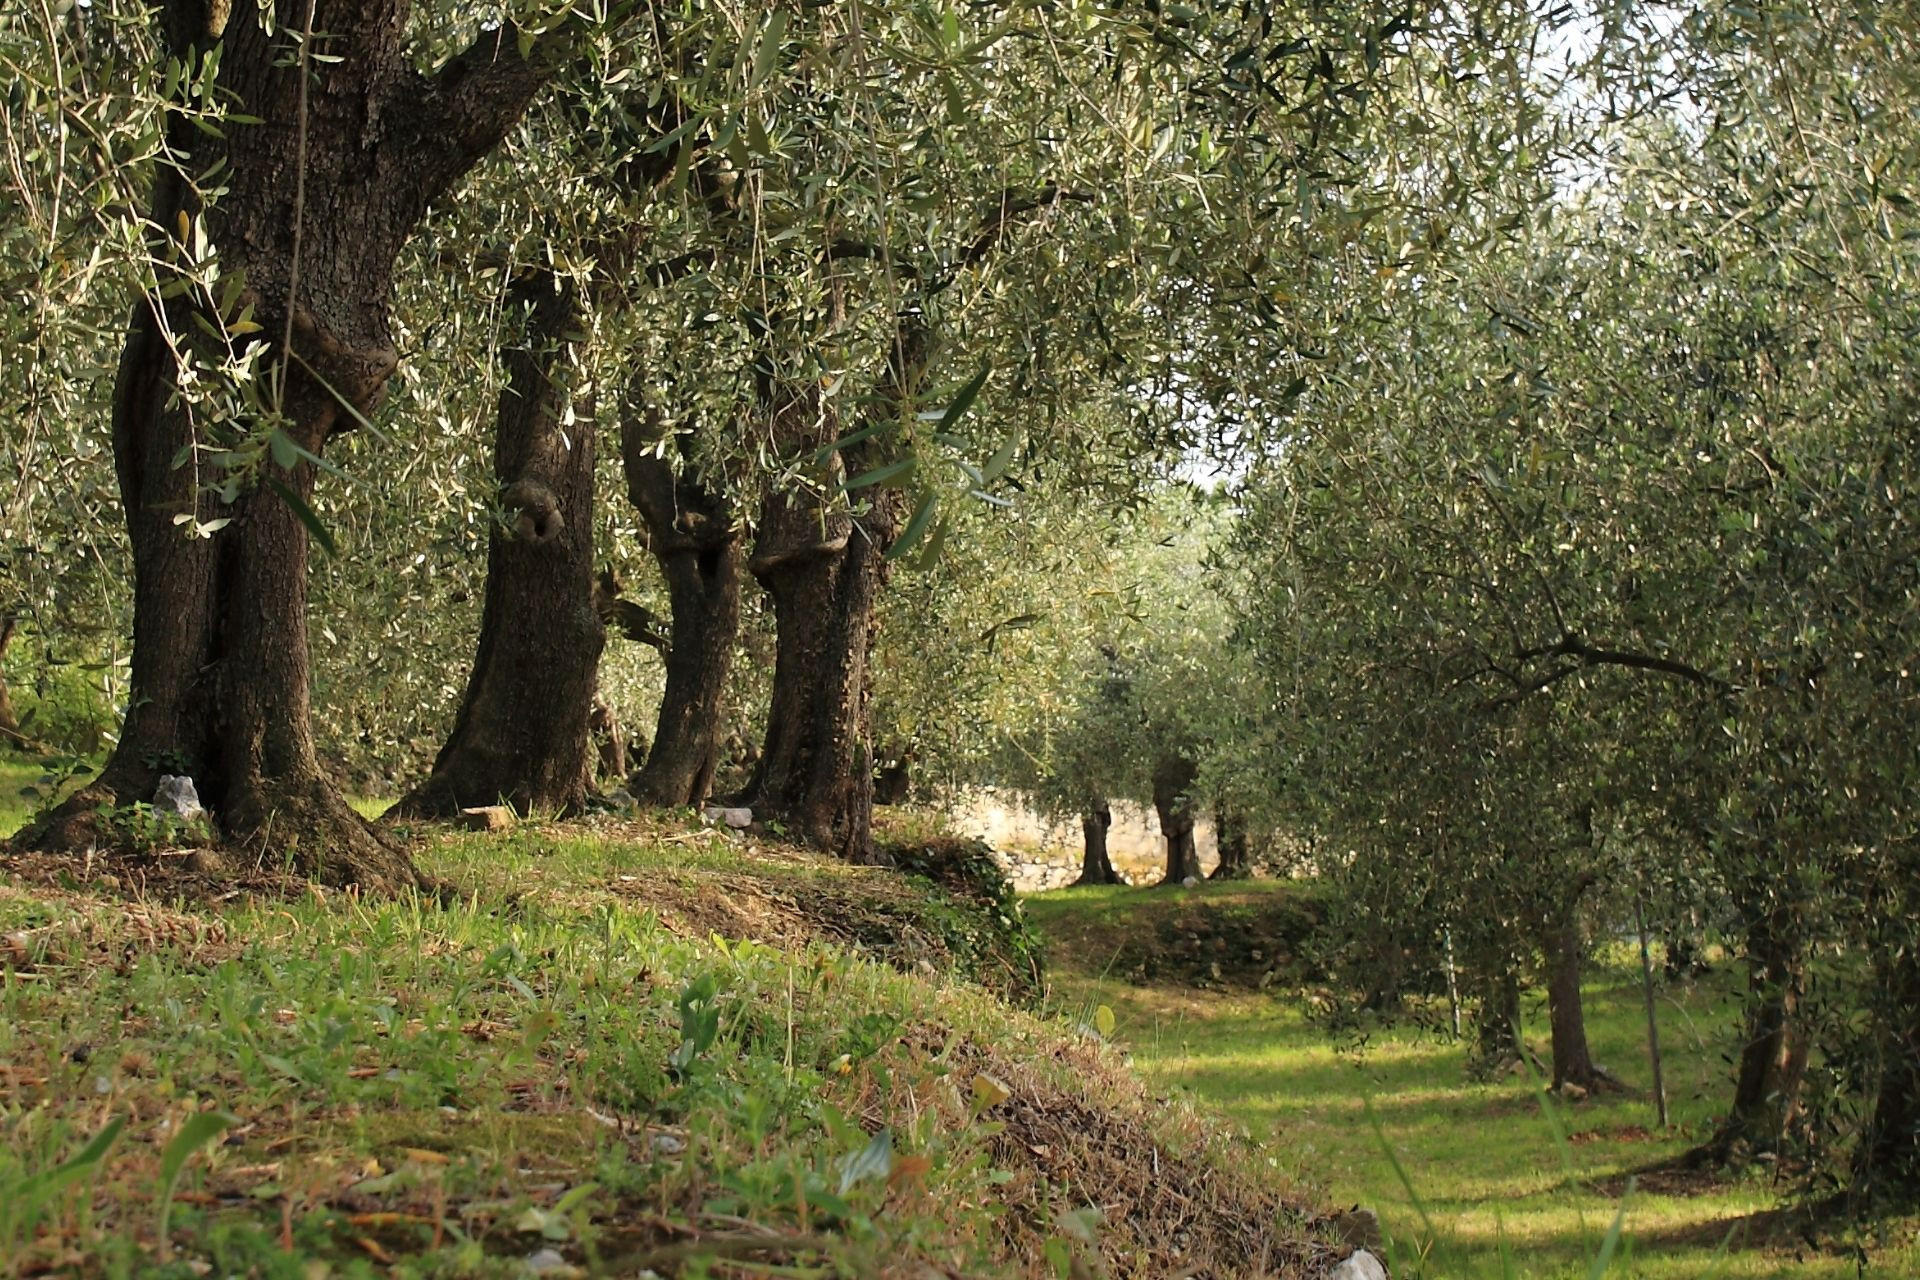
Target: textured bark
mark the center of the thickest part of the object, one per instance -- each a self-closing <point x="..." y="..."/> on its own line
<point x="1236" y="849"/>
<point x="522" y="736"/>
<point x="824" y="567"/>
<point x="694" y="537"/>
<point x="823" y="570"/>
<point x="320" y="199"/>
<point x="1173" y="779"/>
<point x="1096" y="866"/>
<point x="1773" y="1053"/>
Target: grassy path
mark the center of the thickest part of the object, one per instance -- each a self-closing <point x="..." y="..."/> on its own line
<point x="1508" y="1187"/>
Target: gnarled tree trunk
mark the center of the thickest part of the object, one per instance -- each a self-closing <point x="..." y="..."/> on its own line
<point x="692" y="534"/>
<point x="1096" y="867"/>
<point x="522" y="736"/>
<point x="1173" y="779"/>
<point x="824" y="570"/>
<point x="321" y="196"/>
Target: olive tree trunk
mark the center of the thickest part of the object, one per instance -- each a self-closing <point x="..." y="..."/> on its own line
<point x="1173" y="779"/>
<point x="523" y="734"/>
<point x="1236" y="849"/>
<point x="823" y="569"/>
<point x="1096" y="867"/>
<point x="320" y="197"/>
<point x="1564" y="949"/>
<point x="1773" y="1052"/>
<point x="1887" y="1164"/>
<point x="691" y="532"/>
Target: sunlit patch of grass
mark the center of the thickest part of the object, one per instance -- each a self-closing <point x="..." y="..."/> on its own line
<point x="1485" y="1159"/>
<point x="547" y="1062"/>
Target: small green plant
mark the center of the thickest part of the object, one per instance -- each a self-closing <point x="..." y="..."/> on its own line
<point x="58" y="772"/>
<point x="200" y="1129"/>
<point x="26" y="1200"/>
<point x="145" y="827"/>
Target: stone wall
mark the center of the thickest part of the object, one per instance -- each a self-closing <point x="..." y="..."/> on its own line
<point x="1039" y="854"/>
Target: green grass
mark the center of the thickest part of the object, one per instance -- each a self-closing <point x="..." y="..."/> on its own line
<point x="1486" y="1161"/>
<point x="575" y="1058"/>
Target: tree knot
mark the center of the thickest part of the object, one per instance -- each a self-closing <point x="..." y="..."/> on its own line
<point x="533" y="512"/>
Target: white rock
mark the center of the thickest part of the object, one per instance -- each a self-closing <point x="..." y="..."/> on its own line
<point x="178" y="796"/>
<point x="1361" y="1266"/>
<point x="1190" y="881"/>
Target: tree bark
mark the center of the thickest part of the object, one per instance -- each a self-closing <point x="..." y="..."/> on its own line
<point x="1236" y="849"/>
<point x="694" y="537"/>
<point x="824" y="570"/>
<point x="320" y="198"/>
<point x="1096" y="867"/>
<point x="522" y="736"/>
<point x="1773" y="1054"/>
<point x="1173" y="779"/>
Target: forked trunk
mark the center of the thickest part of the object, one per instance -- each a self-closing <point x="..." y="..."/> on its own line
<point x="1096" y="867"/>
<point x="1173" y="779"/>
<point x="692" y="534"/>
<point x="319" y="198"/>
<point x="522" y="737"/>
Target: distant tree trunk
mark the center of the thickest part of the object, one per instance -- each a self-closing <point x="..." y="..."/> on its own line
<point x="1497" y="1020"/>
<point x="692" y="534"/>
<point x="522" y="736"/>
<point x="893" y="780"/>
<point x="320" y="198"/>
<point x="1096" y="867"/>
<point x="9" y="723"/>
<point x="1173" y="779"/>
<point x="1773" y="1053"/>
<point x="1887" y="1164"/>
<point x="824" y="570"/>
<point x="609" y="743"/>
<point x="1564" y="950"/>
<point x="1236" y="850"/>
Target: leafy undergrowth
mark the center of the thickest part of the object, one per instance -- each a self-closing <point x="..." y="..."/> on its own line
<point x="1235" y="934"/>
<point x="1503" y="1182"/>
<point x="573" y="1064"/>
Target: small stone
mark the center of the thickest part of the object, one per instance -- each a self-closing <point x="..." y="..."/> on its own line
<point x="205" y="862"/>
<point x="489" y="817"/>
<point x="550" y="1262"/>
<point x="1360" y="1266"/>
<point x="177" y="795"/>
<point x="739" y="819"/>
<point x="1190" y="881"/>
